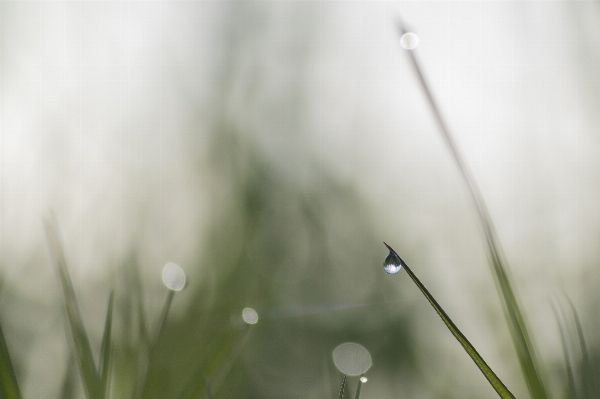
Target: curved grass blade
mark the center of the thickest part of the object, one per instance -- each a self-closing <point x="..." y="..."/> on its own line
<point x="9" y="388"/>
<point x="518" y="328"/>
<point x="341" y="395"/>
<point x="104" y="362"/>
<point x="493" y="379"/>
<point x="80" y="340"/>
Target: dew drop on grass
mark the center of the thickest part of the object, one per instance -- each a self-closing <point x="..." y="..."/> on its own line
<point x="351" y="358"/>
<point x="250" y="316"/>
<point x="409" y="40"/>
<point x="173" y="276"/>
<point x="392" y="263"/>
<point x="363" y="379"/>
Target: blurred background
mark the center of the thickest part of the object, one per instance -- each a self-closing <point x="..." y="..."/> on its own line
<point x="269" y="148"/>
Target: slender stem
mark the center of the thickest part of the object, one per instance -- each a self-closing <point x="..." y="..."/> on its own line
<point x="493" y="379"/>
<point x="164" y="313"/>
<point x="519" y="332"/>
<point x="341" y="395"/>
<point x="358" y="388"/>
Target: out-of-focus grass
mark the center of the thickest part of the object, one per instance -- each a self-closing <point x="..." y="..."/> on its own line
<point x="79" y="337"/>
<point x="581" y="373"/>
<point x="105" y="349"/>
<point x="273" y="244"/>
<point x="521" y="337"/>
<point x="9" y="388"/>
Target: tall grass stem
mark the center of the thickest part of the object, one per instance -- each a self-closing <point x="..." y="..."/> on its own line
<point x="518" y="329"/>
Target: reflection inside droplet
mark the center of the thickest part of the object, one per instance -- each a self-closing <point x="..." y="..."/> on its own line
<point x="250" y="316"/>
<point x="351" y="358"/>
<point x="363" y="379"/>
<point x="173" y="276"/>
<point x="392" y="263"/>
<point x="409" y="40"/>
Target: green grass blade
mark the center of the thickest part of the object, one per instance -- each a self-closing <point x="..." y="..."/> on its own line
<point x="9" y="388"/>
<point x="341" y="395"/>
<point x="80" y="340"/>
<point x="493" y="379"/>
<point x="518" y="328"/>
<point x="104" y="361"/>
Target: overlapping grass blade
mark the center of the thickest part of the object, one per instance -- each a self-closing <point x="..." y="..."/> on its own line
<point x="105" y="349"/>
<point x="496" y="383"/>
<point x="80" y="340"/>
<point x="518" y="329"/>
<point x="9" y="388"/>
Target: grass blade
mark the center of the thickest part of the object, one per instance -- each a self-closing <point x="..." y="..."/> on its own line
<point x="104" y="361"/>
<point x="9" y="388"/>
<point x="493" y="379"/>
<point x="518" y="329"/>
<point x="80" y="340"/>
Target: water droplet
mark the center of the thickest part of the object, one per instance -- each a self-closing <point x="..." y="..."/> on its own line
<point x="392" y="263"/>
<point x="173" y="276"/>
<point x="351" y="358"/>
<point x="363" y="379"/>
<point x="409" y="40"/>
<point x="250" y="316"/>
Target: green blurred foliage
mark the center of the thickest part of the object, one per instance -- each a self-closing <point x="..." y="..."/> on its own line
<point x="303" y="251"/>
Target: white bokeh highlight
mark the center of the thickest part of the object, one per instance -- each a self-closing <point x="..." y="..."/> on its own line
<point x="173" y="276"/>
<point x="351" y="358"/>
<point x="409" y="40"/>
<point x="250" y="316"/>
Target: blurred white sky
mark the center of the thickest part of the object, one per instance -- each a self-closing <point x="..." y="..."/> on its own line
<point x="96" y="124"/>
